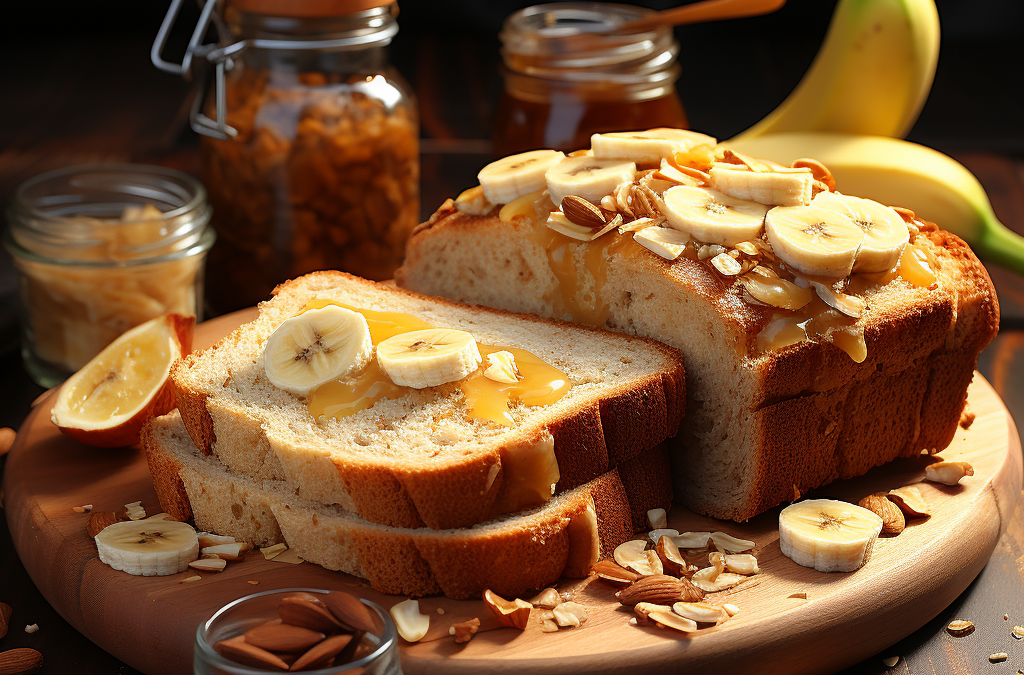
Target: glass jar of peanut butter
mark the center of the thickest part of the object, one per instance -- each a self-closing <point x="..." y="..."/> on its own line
<point x="100" y="249"/>
<point x="568" y="75"/>
<point x="310" y="144"/>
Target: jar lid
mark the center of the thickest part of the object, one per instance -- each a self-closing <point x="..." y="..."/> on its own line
<point x="308" y="8"/>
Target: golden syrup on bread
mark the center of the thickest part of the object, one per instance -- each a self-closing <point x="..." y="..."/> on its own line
<point x="540" y="383"/>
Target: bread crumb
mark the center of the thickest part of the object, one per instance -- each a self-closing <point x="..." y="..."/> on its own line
<point x="32" y="628"/>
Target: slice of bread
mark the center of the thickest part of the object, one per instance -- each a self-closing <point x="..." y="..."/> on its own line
<point x="510" y="555"/>
<point x="419" y="460"/>
<point x="758" y="426"/>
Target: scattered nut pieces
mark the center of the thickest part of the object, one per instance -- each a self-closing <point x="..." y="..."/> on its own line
<point x="960" y="627"/>
<point x="893" y="521"/>
<point x="948" y="473"/>
<point x="1018" y="632"/>
<point x="672" y="560"/>
<point x="672" y="620"/>
<point x="546" y="599"/>
<point x="32" y="628"/>
<point x="82" y="509"/>
<point x="512" y="613"/>
<point x="135" y="510"/>
<point x="799" y="596"/>
<point x="642" y="609"/>
<point x="967" y="418"/>
<point x="708" y="580"/>
<point x="910" y="501"/>
<point x="701" y="612"/>
<point x="209" y="564"/>
<point x="891" y="661"/>
<point x="270" y="552"/>
<point x="657" y="534"/>
<point x="289" y="555"/>
<point x="464" y="630"/>
<point x="998" y="657"/>
<point x="411" y="624"/>
<point x="654" y="562"/>
<point x="658" y="519"/>
<point x="207" y="539"/>
<point x="731" y="609"/>
<point x="569" y="614"/>
<point x="613" y="572"/>
<point x="741" y="563"/>
<point x="633" y="555"/>
<point x="188" y="580"/>
<point x="549" y="626"/>
<point x="693" y="540"/>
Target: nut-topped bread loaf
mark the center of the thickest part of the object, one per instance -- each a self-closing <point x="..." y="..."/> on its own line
<point x="823" y="334"/>
<point x="510" y="555"/>
<point x="422" y="429"/>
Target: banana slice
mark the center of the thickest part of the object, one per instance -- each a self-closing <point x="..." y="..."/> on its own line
<point x="814" y="240"/>
<point x="317" y="346"/>
<point x="428" y="358"/>
<point x="587" y="177"/>
<point x="779" y="187"/>
<point x="885" y="232"/>
<point x="828" y="535"/>
<point x="647" y="147"/>
<point x="150" y="547"/>
<point x="712" y="217"/>
<point x="517" y="175"/>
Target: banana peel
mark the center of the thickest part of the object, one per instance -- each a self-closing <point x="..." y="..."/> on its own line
<point x="899" y="173"/>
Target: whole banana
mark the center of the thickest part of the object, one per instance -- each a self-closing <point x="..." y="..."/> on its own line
<point x="871" y="75"/>
<point x="900" y="173"/>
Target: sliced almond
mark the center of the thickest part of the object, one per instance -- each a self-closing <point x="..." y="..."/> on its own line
<point x="730" y="544"/>
<point x="726" y="265"/>
<point x="640" y="224"/>
<point x="741" y="563"/>
<point x="135" y="511"/>
<point x="665" y="242"/>
<point x="731" y="609"/>
<point x="227" y="551"/>
<point x="207" y="539"/>
<point x="613" y="572"/>
<point x="209" y="564"/>
<point x="709" y="581"/>
<point x="910" y="501"/>
<point x="411" y="624"/>
<point x="671" y="559"/>
<point x="850" y="305"/>
<point x="717" y="560"/>
<point x="632" y="555"/>
<point x="672" y="620"/>
<point x="513" y="613"/>
<point x="948" y="473"/>
<point x="270" y="552"/>
<point x="642" y="609"/>
<point x="189" y="580"/>
<point x="559" y="223"/>
<point x="658" y="519"/>
<point x="693" y="540"/>
<point x="701" y="612"/>
<point x="893" y="521"/>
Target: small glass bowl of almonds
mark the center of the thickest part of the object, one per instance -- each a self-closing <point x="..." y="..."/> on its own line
<point x="297" y="630"/>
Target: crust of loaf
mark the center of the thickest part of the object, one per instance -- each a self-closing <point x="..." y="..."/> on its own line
<point x="594" y="437"/>
<point x="809" y="413"/>
<point x="511" y="556"/>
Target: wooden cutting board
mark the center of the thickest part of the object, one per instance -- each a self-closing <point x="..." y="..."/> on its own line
<point x="150" y="623"/>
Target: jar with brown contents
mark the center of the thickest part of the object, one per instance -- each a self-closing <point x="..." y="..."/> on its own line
<point x="317" y="162"/>
<point x="569" y="75"/>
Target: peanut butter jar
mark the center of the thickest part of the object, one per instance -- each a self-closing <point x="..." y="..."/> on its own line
<point x="310" y="145"/>
<point x="100" y="249"/>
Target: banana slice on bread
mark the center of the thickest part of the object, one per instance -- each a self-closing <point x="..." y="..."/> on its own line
<point x="315" y="347"/>
<point x="885" y="231"/>
<point x="588" y="177"/>
<point x="814" y="240"/>
<point x="647" y="147"/>
<point x="515" y="176"/>
<point x="713" y="217"/>
<point x="428" y="358"/>
<point x="778" y="187"/>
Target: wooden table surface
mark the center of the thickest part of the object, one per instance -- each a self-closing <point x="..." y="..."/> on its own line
<point x="84" y="100"/>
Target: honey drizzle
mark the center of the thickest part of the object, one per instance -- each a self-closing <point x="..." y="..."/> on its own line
<point x="540" y="383"/>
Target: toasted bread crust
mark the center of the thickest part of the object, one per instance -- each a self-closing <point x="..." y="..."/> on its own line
<point x="594" y="437"/>
<point x="810" y="413"/>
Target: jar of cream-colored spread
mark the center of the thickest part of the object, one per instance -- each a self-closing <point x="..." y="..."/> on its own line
<point x="101" y="249"/>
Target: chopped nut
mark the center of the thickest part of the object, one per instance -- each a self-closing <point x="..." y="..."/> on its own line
<point x="654" y="562"/>
<point x="546" y="599"/>
<point x="910" y="501"/>
<point x="569" y="614"/>
<point x="658" y="519"/>
<point x="32" y="628"/>
<point x="633" y="555"/>
<point x="82" y="509"/>
<point x="893" y="521"/>
<point x="717" y="561"/>
<point x="135" y="510"/>
<point x="701" y="612"/>
<point x="549" y="626"/>
<point x="1018" y="632"/>
<point x="948" y="473"/>
<point x="693" y="540"/>
<point x="741" y="563"/>
<point x="731" y="609"/>
<point x="708" y="580"/>
<point x="891" y="661"/>
<point x="726" y="265"/>
<point x="411" y="624"/>
<point x="512" y="613"/>
<point x="998" y="657"/>
<point x="671" y="559"/>
<point x="799" y="596"/>
<point x="188" y="580"/>
<point x="270" y="552"/>
<point x="613" y="572"/>
<point x="209" y="564"/>
<point x="642" y="609"/>
<point x="730" y="544"/>
<point x="659" y="589"/>
<point x="960" y="627"/>
<point x="672" y="620"/>
<point x="464" y="630"/>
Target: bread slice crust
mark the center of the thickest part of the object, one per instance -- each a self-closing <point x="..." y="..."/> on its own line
<point x="600" y="429"/>
<point x="792" y="419"/>
<point x="511" y="556"/>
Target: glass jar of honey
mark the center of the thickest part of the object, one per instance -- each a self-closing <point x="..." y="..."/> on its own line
<point x="310" y="145"/>
<point x="101" y="249"/>
<point x="568" y="75"/>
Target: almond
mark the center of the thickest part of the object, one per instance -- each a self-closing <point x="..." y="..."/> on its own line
<point x="464" y="630"/>
<point x="512" y="613"/>
<point x="306" y="613"/>
<point x="611" y="571"/>
<point x="5" y="618"/>
<point x="240" y="651"/>
<point x="671" y="559"/>
<point x="21" y="661"/>
<point x="100" y="520"/>
<point x="948" y="473"/>
<point x="319" y="655"/>
<point x="582" y="212"/>
<point x="642" y="609"/>
<point x="893" y="521"/>
<point x="350" y="611"/>
<point x="275" y="636"/>
<point x="659" y="589"/>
